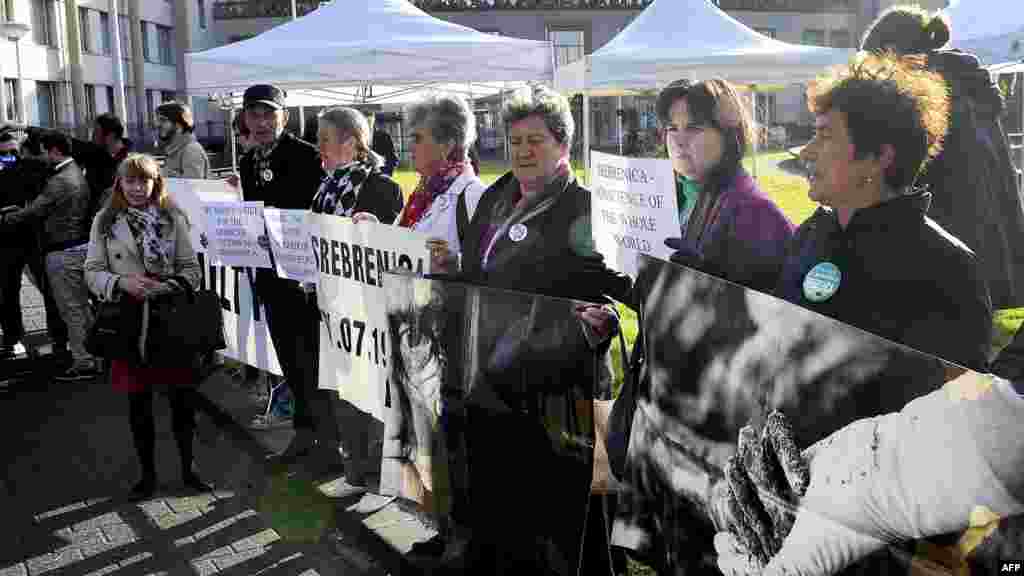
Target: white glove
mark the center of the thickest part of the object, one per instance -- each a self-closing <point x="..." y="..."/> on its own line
<point x="947" y="458"/>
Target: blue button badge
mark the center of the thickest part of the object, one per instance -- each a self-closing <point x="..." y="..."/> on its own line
<point x="822" y="282"/>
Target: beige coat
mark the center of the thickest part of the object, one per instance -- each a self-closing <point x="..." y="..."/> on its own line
<point x="114" y="254"/>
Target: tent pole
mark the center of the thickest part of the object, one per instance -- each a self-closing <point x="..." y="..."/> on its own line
<point x="618" y="115"/>
<point x="504" y="132"/>
<point x="586" y="138"/>
<point x="302" y="110"/>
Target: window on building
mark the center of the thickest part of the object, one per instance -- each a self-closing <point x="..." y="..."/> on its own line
<point x="568" y="45"/>
<point x="110" y="101"/>
<point x="11" y="92"/>
<point x="130" y="106"/>
<point x="813" y="37"/>
<point x="765" y="109"/>
<point x="84" y="30"/>
<point x="90" y="101"/>
<point x="165" y="45"/>
<point x="840" y="38"/>
<point x="239" y="37"/>
<point x="166" y="96"/>
<point x="124" y="31"/>
<point x="43" y="30"/>
<point x="202" y="14"/>
<point x="769" y="32"/>
<point x="46" y="104"/>
<point x="151" y="105"/>
<point x="106" y="44"/>
<point x="146" y="52"/>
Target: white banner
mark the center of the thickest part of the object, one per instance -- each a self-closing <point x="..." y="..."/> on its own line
<point x="355" y="341"/>
<point x="244" y="321"/>
<point x="633" y="208"/>
<point x="234" y="229"/>
<point x="288" y="231"/>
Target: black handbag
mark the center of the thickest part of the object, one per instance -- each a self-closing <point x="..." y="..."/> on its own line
<point x="620" y="421"/>
<point x="182" y="325"/>
<point x="115" y="331"/>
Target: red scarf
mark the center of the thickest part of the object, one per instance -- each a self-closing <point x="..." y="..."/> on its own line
<point x="430" y="188"/>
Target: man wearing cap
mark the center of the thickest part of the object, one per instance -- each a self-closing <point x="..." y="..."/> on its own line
<point x="185" y="155"/>
<point x="285" y="172"/>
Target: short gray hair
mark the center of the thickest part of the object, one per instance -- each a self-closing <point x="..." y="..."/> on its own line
<point x="541" y="101"/>
<point x="349" y="122"/>
<point x="447" y="116"/>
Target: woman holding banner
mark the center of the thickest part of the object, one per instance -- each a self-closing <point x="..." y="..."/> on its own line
<point x="138" y="236"/>
<point x="443" y="133"/>
<point x="533" y="364"/>
<point x="354" y="187"/>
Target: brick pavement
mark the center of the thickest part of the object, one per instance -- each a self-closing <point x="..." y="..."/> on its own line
<point x="70" y="463"/>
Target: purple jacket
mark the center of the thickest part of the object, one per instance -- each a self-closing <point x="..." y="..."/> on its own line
<point x="745" y="239"/>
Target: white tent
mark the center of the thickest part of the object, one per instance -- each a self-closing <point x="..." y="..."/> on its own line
<point x="675" y="39"/>
<point x="364" y="42"/>
<point x="993" y="30"/>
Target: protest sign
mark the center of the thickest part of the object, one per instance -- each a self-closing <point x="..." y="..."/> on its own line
<point x="288" y="232"/>
<point x="352" y="261"/>
<point x="245" y="327"/>
<point x="233" y="230"/>
<point x="633" y="208"/>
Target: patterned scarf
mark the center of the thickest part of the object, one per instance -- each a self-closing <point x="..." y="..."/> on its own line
<point x="145" y="227"/>
<point x="261" y="159"/>
<point x="339" y="191"/>
<point x="430" y="188"/>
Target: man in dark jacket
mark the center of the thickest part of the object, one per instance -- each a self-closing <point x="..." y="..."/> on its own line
<point x="283" y="171"/>
<point x="63" y="210"/>
<point x="101" y="156"/>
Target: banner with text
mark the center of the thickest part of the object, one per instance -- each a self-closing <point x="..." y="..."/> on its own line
<point x="288" y="232"/>
<point x="352" y="260"/>
<point x="633" y="208"/>
<point x="245" y="326"/>
<point x="234" y="229"/>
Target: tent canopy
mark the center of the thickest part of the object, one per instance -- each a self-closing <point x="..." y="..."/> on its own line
<point x="992" y="30"/>
<point x="364" y="42"/>
<point x="674" y="39"/>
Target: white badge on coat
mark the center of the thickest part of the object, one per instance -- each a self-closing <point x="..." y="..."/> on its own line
<point x="268" y="175"/>
<point x="517" y="232"/>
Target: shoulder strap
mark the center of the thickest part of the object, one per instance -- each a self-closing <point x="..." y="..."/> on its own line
<point x="462" y="214"/>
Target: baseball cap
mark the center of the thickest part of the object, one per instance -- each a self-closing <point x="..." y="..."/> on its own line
<point x="264" y="94"/>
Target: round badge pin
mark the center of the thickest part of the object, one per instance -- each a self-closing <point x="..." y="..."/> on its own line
<point x="517" y="232"/>
<point x="268" y="175"/>
<point x="822" y="282"/>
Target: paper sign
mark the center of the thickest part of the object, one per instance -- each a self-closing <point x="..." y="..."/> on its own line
<point x="633" y="208"/>
<point x="288" y="231"/>
<point x="233" y="230"/>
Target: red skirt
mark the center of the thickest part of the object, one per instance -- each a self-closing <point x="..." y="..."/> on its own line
<point x="127" y="378"/>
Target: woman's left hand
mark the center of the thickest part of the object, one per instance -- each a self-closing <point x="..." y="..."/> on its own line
<point x="600" y="319"/>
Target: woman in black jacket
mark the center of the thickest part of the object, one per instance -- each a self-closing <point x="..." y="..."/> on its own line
<point x="974" y="188"/>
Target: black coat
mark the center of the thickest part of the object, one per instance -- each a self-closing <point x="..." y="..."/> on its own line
<point x="973" y="182"/>
<point x="296" y="175"/>
<point x="903" y="278"/>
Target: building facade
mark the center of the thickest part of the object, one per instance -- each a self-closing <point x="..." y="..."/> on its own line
<point x="66" y="62"/>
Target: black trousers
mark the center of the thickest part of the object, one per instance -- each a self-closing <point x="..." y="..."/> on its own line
<point x="13" y="261"/>
<point x="294" y="326"/>
<point x="183" y="424"/>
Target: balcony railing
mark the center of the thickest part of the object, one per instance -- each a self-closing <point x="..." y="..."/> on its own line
<point x="238" y="9"/>
<point x="474" y="5"/>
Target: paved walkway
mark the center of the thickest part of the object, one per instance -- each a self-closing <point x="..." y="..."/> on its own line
<point x="69" y="462"/>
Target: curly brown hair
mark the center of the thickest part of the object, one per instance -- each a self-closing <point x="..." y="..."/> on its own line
<point x="888" y="99"/>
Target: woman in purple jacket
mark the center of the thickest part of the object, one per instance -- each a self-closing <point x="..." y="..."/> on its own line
<point x="729" y="228"/>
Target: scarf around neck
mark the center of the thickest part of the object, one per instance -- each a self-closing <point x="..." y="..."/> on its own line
<point x="146" y="228"/>
<point x="430" y="188"/>
<point x="340" y="191"/>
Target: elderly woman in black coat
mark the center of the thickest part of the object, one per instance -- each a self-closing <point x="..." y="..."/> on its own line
<point x="531" y="365"/>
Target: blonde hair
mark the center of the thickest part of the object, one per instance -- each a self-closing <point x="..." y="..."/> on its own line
<point x="138" y="166"/>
